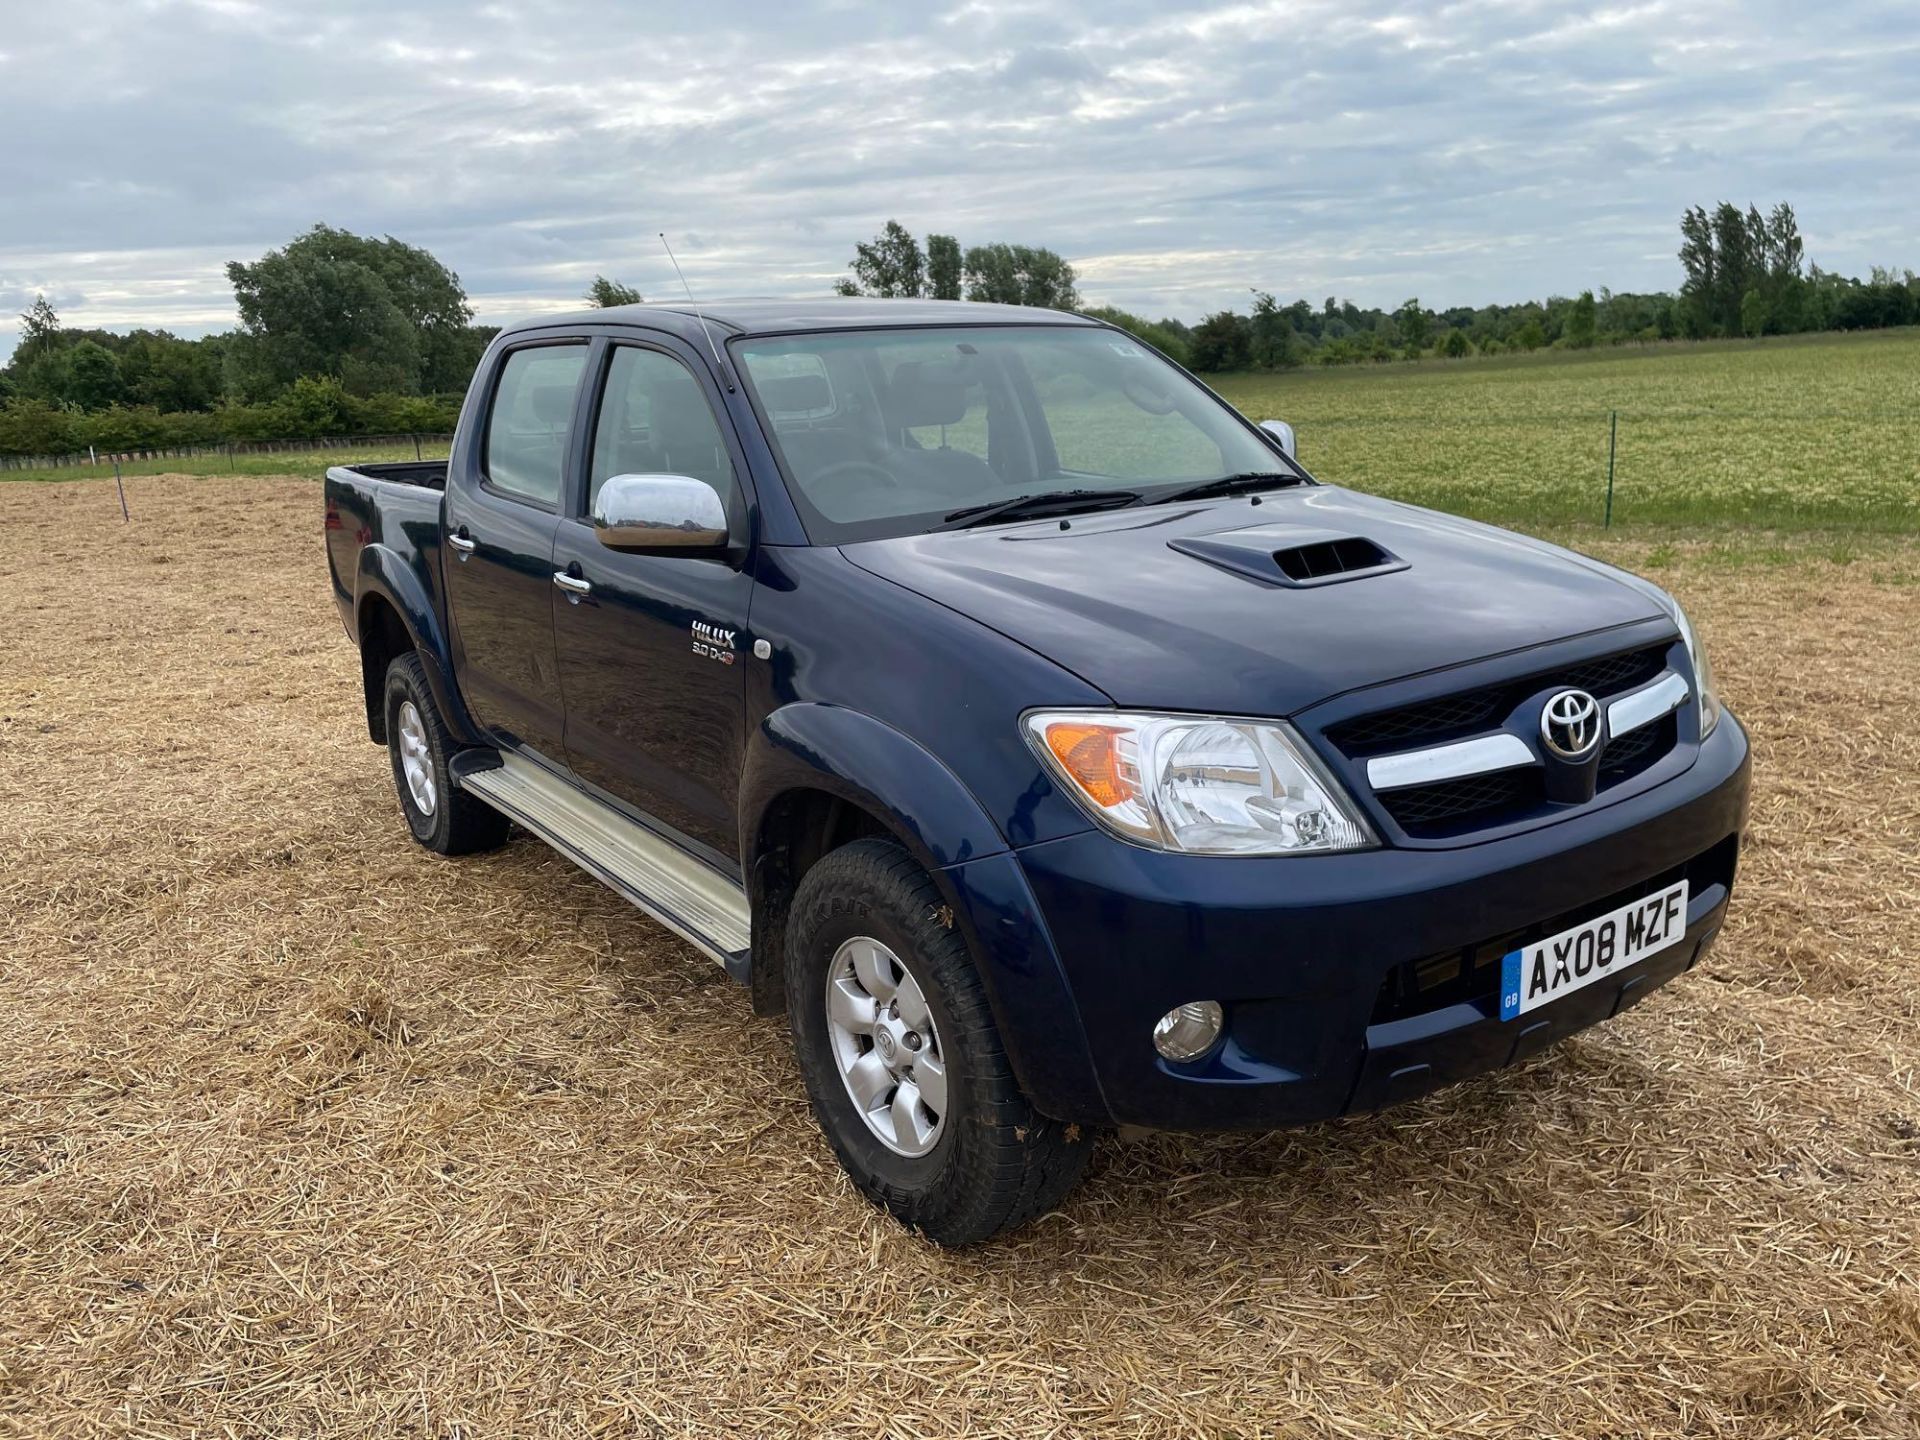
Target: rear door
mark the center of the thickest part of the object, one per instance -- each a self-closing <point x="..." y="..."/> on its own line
<point x="652" y="655"/>
<point x="503" y="508"/>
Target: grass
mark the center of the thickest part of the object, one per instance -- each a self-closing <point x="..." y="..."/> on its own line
<point x="313" y="461"/>
<point x="1808" y="433"/>
<point x="1804" y="433"/>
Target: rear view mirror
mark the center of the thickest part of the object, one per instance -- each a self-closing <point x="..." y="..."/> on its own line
<point x="1145" y="394"/>
<point x="660" y="512"/>
<point x="1282" y="432"/>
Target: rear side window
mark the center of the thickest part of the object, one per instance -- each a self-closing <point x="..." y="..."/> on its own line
<point x="527" y="430"/>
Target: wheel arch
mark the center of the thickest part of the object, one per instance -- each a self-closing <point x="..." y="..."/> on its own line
<point x="818" y="776"/>
<point x="393" y="614"/>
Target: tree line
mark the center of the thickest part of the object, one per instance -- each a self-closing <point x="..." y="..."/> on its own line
<point x="342" y="334"/>
<point x="1743" y="274"/>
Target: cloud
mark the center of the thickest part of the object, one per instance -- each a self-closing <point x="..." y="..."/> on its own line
<point x="1179" y="153"/>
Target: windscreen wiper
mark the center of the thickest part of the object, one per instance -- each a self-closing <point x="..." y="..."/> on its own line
<point x="1240" y="484"/>
<point x="1047" y="502"/>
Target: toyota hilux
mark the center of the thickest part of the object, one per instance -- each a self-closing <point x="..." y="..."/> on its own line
<point x="1031" y="729"/>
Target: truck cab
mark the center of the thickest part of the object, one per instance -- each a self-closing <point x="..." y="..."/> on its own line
<point x="1030" y="728"/>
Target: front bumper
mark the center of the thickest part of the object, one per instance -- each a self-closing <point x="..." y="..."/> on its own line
<point x="1315" y="958"/>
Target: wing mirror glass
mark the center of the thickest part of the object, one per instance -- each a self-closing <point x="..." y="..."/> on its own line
<point x="660" y="512"/>
<point x="1281" y="431"/>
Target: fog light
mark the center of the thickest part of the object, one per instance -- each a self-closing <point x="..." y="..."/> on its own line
<point x="1188" y="1031"/>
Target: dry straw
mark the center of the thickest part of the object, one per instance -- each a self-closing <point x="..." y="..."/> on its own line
<point x="303" y="1130"/>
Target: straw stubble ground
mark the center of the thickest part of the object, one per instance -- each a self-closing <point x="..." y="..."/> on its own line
<point x="304" y="1130"/>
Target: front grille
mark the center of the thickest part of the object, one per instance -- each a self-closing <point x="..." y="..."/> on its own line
<point x="1472" y="973"/>
<point x="1453" y="808"/>
<point x="1433" y="722"/>
<point x="1636" y="750"/>
<point x="1420" y="808"/>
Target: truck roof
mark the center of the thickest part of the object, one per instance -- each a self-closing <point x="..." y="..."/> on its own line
<point x="782" y="317"/>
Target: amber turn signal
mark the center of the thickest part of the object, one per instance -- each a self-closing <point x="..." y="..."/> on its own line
<point x="1091" y="755"/>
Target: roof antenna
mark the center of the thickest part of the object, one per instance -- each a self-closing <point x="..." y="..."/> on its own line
<point x="705" y="329"/>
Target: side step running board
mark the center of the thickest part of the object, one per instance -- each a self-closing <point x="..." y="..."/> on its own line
<point x="693" y="900"/>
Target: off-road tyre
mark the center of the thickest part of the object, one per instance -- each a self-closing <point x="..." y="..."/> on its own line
<point x="996" y="1163"/>
<point x="457" y="823"/>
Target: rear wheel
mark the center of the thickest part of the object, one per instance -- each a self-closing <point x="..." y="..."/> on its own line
<point x="441" y="816"/>
<point x="902" y="1058"/>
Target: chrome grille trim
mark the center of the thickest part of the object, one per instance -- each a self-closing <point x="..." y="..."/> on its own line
<point x="1482" y="755"/>
<point x="1647" y="704"/>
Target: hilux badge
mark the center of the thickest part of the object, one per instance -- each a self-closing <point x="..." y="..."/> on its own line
<point x="713" y="642"/>
<point x="1571" y="724"/>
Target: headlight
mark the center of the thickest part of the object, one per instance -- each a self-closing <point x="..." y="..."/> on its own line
<point x="1696" y="652"/>
<point x="1204" y="784"/>
<point x="1702" y="670"/>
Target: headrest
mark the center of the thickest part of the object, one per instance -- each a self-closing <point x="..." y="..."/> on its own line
<point x="921" y="395"/>
<point x="552" y="404"/>
<point x="797" y="394"/>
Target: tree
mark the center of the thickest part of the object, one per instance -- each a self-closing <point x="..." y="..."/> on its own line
<point x="39" y="333"/>
<point x="93" y="376"/>
<point x="1582" y="322"/>
<point x="1456" y="344"/>
<point x="890" y="265"/>
<point x="1414" y="323"/>
<point x="374" y="314"/>
<point x="1221" y="342"/>
<point x="1530" y="336"/>
<point x="1753" y="314"/>
<point x="604" y="293"/>
<point x="944" y="267"/>
<point x="1271" y="343"/>
<point x="1020" y="275"/>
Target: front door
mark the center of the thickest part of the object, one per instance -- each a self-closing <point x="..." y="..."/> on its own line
<point x="498" y="552"/>
<point x="652" y="656"/>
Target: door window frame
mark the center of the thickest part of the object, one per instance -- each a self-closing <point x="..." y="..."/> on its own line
<point x="569" y="450"/>
<point x="574" y="506"/>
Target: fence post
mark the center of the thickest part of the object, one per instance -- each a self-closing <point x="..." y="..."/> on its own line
<point x="1613" y="432"/>
<point x="120" y="485"/>
<point x="416" y="447"/>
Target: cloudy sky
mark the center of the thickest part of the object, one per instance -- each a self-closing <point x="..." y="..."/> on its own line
<point x="1177" y="154"/>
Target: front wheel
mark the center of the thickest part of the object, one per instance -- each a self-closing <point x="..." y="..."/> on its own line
<point x="903" y="1061"/>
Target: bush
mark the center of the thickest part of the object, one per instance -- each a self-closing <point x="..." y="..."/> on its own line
<point x="310" y="410"/>
<point x="33" y="427"/>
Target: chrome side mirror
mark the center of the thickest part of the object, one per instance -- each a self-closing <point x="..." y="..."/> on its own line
<point x="659" y="512"/>
<point x="1281" y="431"/>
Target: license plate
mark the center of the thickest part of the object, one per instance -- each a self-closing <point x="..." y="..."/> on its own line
<point x="1574" y="959"/>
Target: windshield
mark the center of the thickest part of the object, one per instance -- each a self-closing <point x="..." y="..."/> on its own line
<point x="890" y="432"/>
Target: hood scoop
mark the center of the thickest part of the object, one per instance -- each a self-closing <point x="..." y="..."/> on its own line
<point x="1295" y="556"/>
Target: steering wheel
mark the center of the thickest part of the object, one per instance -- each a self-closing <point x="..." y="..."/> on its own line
<point x="828" y="474"/>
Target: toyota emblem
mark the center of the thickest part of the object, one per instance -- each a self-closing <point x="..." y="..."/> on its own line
<point x="1571" y="724"/>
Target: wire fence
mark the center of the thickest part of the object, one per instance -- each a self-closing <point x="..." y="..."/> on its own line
<point x="1546" y="469"/>
<point x="230" y="450"/>
<point x="1823" y="468"/>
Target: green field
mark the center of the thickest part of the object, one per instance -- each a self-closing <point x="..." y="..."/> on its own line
<point x="1803" y="433"/>
<point x="291" y="461"/>
<point x="1808" y="433"/>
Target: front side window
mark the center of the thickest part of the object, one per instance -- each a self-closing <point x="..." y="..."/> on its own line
<point x="654" y="420"/>
<point x="527" y="428"/>
<point x="888" y="432"/>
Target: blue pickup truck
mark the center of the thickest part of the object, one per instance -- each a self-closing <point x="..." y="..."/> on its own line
<point x="1033" y="731"/>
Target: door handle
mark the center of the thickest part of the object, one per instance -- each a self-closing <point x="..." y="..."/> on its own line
<point x="573" y="585"/>
<point x="463" y="544"/>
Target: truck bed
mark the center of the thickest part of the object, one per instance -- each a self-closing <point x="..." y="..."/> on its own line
<point x="427" y="474"/>
<point x="396" y="508"/>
